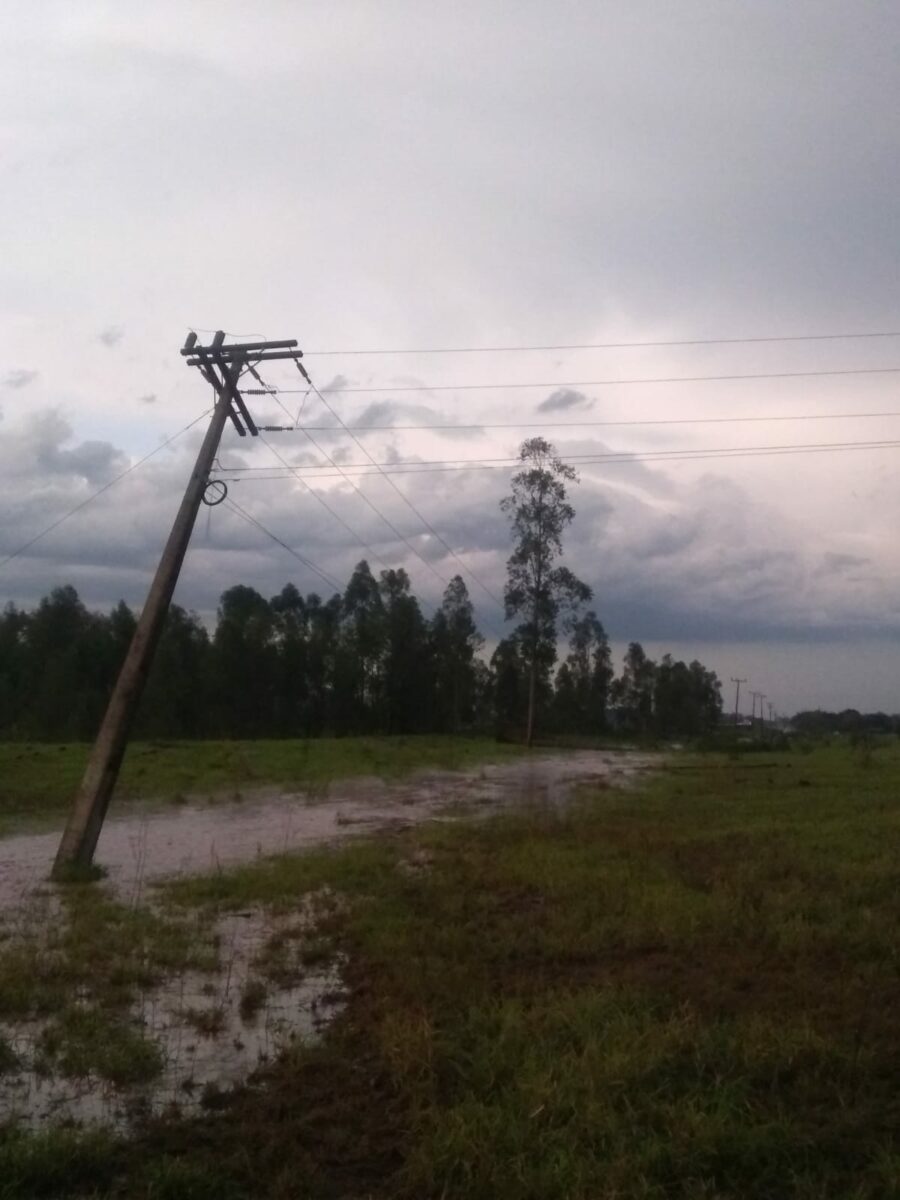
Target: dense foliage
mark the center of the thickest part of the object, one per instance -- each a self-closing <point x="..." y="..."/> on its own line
<point x="366" y="661"/>
<point x="849" y="720"/>
<point x="538" y="587"/>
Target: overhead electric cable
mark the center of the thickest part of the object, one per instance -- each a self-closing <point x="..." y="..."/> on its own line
<point x="722" y="341"/>
<point x="294" y="470"/>
<point x="608" y="457"/>
<point x="228" y="332"/>
<point x="323" y="575"/>
<point x="867" y="416"/>
<point x="487" y="591"/>
<point x="462" y="463"/>
<point x="99" y="492"/>
<point x="578" y="383"/>
<point x="390" y="524"/>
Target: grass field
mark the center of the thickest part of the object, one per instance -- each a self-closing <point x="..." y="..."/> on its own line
<point x="686" y="992"/>
<point x="38" y="780"/>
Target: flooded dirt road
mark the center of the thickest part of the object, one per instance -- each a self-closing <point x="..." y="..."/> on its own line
<point x="207" y="1029"/>
<point x="144" y="844"/>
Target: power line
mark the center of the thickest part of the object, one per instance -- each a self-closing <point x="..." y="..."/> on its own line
<point x="323" y="575"/>
<point x="228" y="332"/>
<point x="597" y="424"/>
<point x="487" y="591"/>
<point x="506" y="458"/>
<point x="390" y="524"/>
<point x="324" y="503"/>
<point x="609" y="457"/>
<point x="99" y="492"/>
<point x="724" y="341"/>
<point x="578" y="383"/>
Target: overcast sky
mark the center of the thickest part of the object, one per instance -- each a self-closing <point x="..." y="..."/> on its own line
<point x="396" y="176"/>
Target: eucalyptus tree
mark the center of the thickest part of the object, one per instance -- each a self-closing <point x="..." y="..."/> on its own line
<point x="509" y="687"/>
<point x="323" y="653"/>
<point x="687" y="698"/>
<point x="538" y="589"/>
<point x="455" y="641"/>
<point x="633" y="693"/>
<point x="406" y="678"/>
<point x="61" y="692"/>
<point x="244" y="655"/>
<point x="13" y="666"/>
<point x="181" y="698"/>
<point x="583" y="681"/>
<point x="290" y="621"/>
<point x="362" y="647"/>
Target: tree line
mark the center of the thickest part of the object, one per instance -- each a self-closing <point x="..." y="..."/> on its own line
<point x="848" y="720"/>
<point x="367" y="660"/>
<point x="364" y="661"/>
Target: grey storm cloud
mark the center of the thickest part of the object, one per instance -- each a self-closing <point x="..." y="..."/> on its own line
<point x="710" y="563"/>
<point x="842" y="562"/>
<point x="381" y="412"/>
<point x="335" y="384"/>
<point x="111" y="335"/>
<point x="42" y="451"/>
<point x="395" y="412"/>
<point x="733" y="175"/>
<point x="94" y="461"/>
<point x="563" y="400"/>
<point x="19" y="378"/>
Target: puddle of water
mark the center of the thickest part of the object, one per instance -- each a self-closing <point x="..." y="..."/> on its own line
<point x="138" y="848"/>
<point x="211" y="1029"/>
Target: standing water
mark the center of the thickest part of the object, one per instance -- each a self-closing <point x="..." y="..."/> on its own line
<point x="149" y="843"/>
<point x="211" y="1029"/>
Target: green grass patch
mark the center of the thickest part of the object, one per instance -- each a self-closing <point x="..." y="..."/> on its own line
<point x="686" y="992"/>
<point x="38" y="780"/>
<point x="60" y="1162"/>
<point x="100" y="950"/>
<point x="89" y="1041"/>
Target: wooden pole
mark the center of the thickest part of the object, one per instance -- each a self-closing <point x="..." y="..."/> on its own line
<point x="79" y="841"/>
<point x="737" y="697"/>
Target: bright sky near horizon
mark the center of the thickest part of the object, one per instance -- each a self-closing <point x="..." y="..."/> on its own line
<point x="403" y="175"/>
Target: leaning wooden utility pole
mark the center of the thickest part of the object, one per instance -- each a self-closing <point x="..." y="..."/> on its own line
<point x="221" y="366"/>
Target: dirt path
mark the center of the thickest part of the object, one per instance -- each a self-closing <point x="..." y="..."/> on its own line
<point x="153" y="842"/>
<point x="146" y="844"/>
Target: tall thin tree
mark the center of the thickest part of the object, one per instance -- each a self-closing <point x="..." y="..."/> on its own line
<point x="537" y="589"/>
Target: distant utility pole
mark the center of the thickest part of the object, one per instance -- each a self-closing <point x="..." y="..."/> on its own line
<point x="771" y="707"/>
<point x="755" y="696"/>
<point x="737" y="695"/>
<point x="222" y="367"/>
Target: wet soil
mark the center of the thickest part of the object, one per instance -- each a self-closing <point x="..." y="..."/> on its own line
<point x="213" y="1029"/>
<point x="147" y="843"/>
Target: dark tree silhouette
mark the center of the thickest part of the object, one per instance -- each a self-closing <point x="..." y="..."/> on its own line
<point x="364" y="661"/>
<point x="455" y="641"/>
<point x="583" y="681"/>
<point x="537" y="589"/>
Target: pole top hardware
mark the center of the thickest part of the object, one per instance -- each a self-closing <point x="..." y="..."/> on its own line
<point x="222" y="366"/>
<point x="238" y="349"/>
